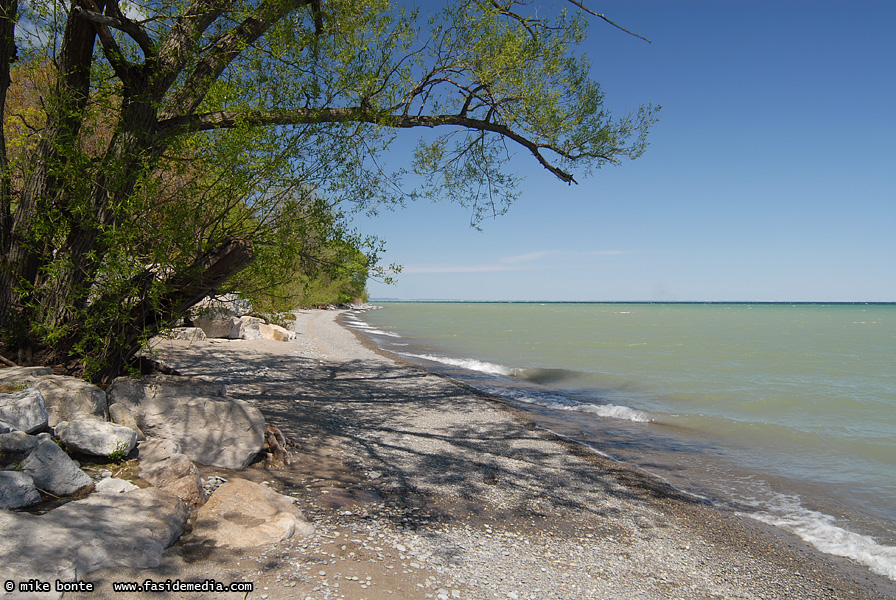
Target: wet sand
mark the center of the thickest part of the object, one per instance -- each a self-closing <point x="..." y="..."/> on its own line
<point x="422" y="488"/>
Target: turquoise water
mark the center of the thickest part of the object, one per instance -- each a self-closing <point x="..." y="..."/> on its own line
<point x="786" y="412"/>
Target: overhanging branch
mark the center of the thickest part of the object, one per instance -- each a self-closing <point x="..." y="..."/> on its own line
<point x="229" y="119"/>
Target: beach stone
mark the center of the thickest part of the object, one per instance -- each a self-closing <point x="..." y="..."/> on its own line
<point x="164" y="467"/>
<point x="216" y="326"/>
<point x="189" y="334"/>
<point x="96" y="438"/>
<point x="17" y="490"/>
<point x="113" y="485"/>
<point x="135" y="391"/>
<point x="17" y="442"/>
<point x="275" y="333"/>
<point x="122" y="530"/>
<point x="11" y="375"/>
<point x="210" y="428"/>
<point x="247" y="328"/>
<point x="121" y="414"/>
<point x="243" y="514"/>
<point x="157" y="449"/>
<point x="53" y="470"/>
<point x="24" y="410"/>
<point x="71" y="399"/>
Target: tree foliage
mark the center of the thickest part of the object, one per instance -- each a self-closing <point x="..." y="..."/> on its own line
<point x="151" y="151"/>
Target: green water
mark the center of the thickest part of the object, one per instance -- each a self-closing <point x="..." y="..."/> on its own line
<point x="789" y="410"/>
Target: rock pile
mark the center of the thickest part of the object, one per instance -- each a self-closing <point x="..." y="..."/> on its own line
<point x="240" y="328"/>
<point x="178" y="420"/>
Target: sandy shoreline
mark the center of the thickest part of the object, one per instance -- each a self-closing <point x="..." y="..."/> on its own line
<point x="421" y="488"/>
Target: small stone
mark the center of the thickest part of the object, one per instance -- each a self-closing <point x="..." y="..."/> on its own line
<point x="112" y="485"/>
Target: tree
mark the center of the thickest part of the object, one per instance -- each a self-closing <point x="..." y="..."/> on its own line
<point x="169" y="132"/>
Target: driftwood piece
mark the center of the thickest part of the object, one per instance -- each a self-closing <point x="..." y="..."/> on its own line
<point x="275" y="446"/>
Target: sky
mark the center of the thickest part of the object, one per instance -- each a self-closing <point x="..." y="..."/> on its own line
<point x="770" y="176"/>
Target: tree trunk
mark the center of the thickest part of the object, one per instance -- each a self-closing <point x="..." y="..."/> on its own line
<point x="150" y="315"/>
<point x="24" y="252"/>
<point x="8" y="18"/>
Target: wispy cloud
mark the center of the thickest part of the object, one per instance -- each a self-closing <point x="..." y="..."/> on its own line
<point x="522" y="262"/>
<point x="459" y="268"/>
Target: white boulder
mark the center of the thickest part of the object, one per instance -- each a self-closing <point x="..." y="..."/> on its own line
<point x="210" y="428"/>
<point x="96" y="438"/>
<point x="24" y="410"/>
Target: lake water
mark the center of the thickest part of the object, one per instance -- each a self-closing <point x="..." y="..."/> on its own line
<point x="786" y="412"/>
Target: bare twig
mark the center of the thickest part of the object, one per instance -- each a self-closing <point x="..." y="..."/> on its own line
<point x="604" y="17"/>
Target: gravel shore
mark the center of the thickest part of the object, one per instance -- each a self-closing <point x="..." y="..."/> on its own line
<point x="422" y="488"/>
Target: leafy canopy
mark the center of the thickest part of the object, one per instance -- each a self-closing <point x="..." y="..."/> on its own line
<point x="154" y="149"/>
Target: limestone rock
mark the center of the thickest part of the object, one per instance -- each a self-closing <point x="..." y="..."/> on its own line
<point x="24" y="410"/>
<point x="242" y="514"/>
<point x="157" y="449"/>
<point x="113" y="485"/>
<point x="96" y="438"/>
<point x="71" y="399"/>
<point x="53" y="470"/>
<point x="210" y="428"/>
<point x="164" y="467"/>
<point x="122" y="530"/>
<point x="247" y="328"/>
<point x="214" y="326"/>
<point x="17" y="490"/>
<point x="136" y="391"/>
<point x="121" y="414"/>
<point x="17" y="442"/>
<point x="276" y="333"/>
<point x="190" y="334"/>
<point x="20" y="374"/>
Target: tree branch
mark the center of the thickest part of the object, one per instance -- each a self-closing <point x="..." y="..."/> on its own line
<point x="123" y="24"/>
<point x="111" y="49"/>
<point x="604" y="17"/>
<point x="229" y="119"/>
<point x="225" y="50"/>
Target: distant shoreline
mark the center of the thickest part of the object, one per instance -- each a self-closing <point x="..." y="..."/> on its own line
<point x="628" y="302"/>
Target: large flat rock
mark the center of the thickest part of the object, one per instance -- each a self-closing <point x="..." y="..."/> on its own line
<point x="122" y="530"/>
<point x="242" y="514"/>
<point x="66" y="398"/>
<point x="210" y="428"/>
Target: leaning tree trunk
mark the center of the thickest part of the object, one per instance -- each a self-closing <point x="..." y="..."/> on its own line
<point x="150" y="315"/>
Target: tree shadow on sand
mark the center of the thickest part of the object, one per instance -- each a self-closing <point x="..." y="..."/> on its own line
<point x="422" y="434"/>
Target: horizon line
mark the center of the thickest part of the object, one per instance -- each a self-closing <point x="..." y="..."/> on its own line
<point x="461" y="301"/>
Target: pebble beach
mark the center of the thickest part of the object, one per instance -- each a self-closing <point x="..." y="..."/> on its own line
<point x="419" y="487"/>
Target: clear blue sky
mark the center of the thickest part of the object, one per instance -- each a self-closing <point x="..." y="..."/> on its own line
<point x="771" y="175"/>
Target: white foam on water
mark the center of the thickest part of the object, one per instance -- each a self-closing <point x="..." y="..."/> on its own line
<point x="821" y="531"/>
<point x="547" y="400"/>
<point x="471" y="364"/>
<point x="357" y="324"/>
<point x="615" y="412"/>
